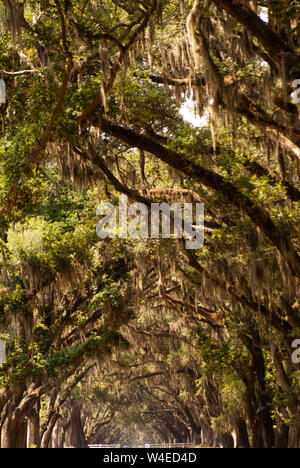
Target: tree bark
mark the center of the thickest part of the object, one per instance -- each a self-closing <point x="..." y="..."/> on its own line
<point x="294" y="436"/>
<point x="263" y="419"/>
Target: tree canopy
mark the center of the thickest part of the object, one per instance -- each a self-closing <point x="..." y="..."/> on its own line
<point x="143" y="340"/>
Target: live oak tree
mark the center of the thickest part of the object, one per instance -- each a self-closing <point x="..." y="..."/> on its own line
<point x="61" y="306"/>
<point x="95" y="92"/>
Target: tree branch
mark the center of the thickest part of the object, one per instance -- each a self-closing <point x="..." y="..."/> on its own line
<point x="231" y="193"/>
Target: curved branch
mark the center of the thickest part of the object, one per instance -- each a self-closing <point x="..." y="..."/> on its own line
<point x="230" y="192"/>
<point x="273" y="43"/>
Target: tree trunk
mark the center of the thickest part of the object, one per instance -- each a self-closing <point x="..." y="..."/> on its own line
<point x="231" y="193"/>
<point x="75" y="436"/>
<point x="294" y="437"/>
<point x="55" y="436"/>
<point x="14" y="431"/>
<point x="48" y="433"/>
<point x="281" y="435"/>
<point x="226" y="440"/>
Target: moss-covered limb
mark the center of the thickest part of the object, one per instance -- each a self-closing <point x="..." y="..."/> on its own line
<point x="213" y="180"/>
<point x="225" y="90"/>
<point x="276" y="45"/>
